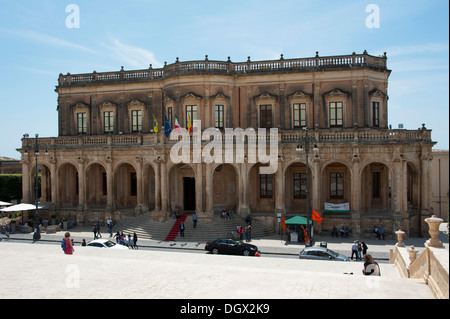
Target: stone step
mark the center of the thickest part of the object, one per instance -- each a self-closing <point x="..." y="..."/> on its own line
<point x="146" y="228"/>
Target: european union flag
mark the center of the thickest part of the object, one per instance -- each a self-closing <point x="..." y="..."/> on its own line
<point x="167" y="126"/>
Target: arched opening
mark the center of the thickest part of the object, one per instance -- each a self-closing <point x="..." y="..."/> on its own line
<point x="295" y="188"/>
<point x="336" y="183"/>
<point x="413" y="189"/>
<point x="182" y="188"/>
<point x="376" y="183"/>
<point x="126" y="186"/>
<point x="96" y="186"/>
<point x="261" y="190"/>
<point x="225" y="188"/>
<point x="68" y="189"/>
<point x="45" y="181"/>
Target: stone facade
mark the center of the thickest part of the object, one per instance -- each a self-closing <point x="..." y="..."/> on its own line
<point x="109" y="162"/>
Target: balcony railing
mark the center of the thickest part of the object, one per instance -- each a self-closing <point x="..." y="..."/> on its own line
<point x="323" y="136"/>
<point x="228" y="67"/>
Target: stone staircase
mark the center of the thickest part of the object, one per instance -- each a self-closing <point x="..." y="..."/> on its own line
<point x="146" y="228"/>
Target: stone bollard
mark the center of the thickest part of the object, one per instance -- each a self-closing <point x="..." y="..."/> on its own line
<point x="400" y="233"/>
<point x="433" y="224"/>
<point x="412" y="254"/>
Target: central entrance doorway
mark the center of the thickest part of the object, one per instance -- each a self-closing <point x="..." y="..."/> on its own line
<point x="189" y="193"/>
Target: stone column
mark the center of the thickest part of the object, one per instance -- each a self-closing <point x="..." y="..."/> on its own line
<point x="81" y="183"/>
<point x="244" y="210"/>
<point x="157" y="186"/>
<point x="209" y="174"/>
<point x="54" y="180"/>
<point x="26" y="195"/>
<point x="164" y="190"/>
<point x="199" y="189"/>
<point x="139" y="182"/>
<point x="279" y="190"/>
<point x="109" y="183"/>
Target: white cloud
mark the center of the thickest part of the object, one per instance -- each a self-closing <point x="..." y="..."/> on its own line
<point x="46" y="39"/>
<point x="427" y="48"/>
<point x="131" y="56"/>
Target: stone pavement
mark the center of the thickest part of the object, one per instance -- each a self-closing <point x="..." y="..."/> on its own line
<point x="41" y="270"/>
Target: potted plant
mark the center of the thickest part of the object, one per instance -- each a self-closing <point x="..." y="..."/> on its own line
<point x="64" y="220"/>
<point x="53" y="218"/>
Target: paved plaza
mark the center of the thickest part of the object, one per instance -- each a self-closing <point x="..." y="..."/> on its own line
<point x="41" y="270"/>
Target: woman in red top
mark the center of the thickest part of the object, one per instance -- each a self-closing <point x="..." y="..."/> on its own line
<point x="68" y="250"/>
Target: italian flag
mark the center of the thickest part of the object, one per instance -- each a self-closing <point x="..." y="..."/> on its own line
<point x="177" y="125"/>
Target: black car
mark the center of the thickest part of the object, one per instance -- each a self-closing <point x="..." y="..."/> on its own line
<point x="231" y="247"/>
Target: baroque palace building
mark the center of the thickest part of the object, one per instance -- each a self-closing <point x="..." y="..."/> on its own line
<point x="108" y="161"/>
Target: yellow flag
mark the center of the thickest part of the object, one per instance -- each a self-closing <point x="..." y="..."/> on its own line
<point x="155" y="124"/>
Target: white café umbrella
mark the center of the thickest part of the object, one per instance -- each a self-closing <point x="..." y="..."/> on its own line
<point x="4" y="203"/>
<point x="20" y="207"/>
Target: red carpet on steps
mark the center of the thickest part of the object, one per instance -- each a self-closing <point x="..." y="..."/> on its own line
<point x="176" y="227"/>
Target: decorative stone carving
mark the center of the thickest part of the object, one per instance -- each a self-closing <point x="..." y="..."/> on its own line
<point x="433" y="224"/>
<point x="400" y="234"/>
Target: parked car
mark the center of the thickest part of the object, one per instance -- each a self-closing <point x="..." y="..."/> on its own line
<point x="321" y="253"/>
<point x="231" y="247"/>
<point x="105" y="243"/>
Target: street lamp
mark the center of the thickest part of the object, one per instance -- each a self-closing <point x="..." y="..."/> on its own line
<point x="37" y="234"/>
<point x="304" y="145"/>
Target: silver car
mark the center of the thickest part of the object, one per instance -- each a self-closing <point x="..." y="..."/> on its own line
<point x="321" y="253"/>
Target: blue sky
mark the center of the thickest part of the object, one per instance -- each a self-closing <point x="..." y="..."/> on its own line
<point x="36" y="45"/>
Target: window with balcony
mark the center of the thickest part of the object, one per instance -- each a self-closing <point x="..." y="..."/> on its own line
<point x="191" y="112"/>
<point x="81" y="123"/>
<point x="375" y="114"/>
<point x="136" y="121"/>
<point x="265" y="116"/>
<point x="218" y="117"/>
<point x="336" y="114"/>
<point x="108" y="122"/>
<point x="299" y="110"/>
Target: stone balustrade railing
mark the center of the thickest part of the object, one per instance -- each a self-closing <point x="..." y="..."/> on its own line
<point x="431" y="265"/>
<point x="284" y="137"/>
<point x="227" y="67"/>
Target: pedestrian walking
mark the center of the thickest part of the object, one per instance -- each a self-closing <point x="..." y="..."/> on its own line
<point x="99" y="227"/>
<point x="240" y="232"/>
<point x="364" y="248"/>
<point x="355" y="250"/>
<point x="7" y="231"/>
<point x="110" y="227"/>
<point x="135" y="239"/>
<point x="195" y="219"/>
<point x="248" y="233"/>
<point x="94" y="230"/>
<point x="359" y="251"/>
<point x="67" y="245"/>
<point x="182" y="229"/>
